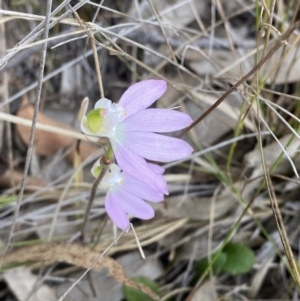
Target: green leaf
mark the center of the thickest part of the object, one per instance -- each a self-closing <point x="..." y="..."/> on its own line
<point x="240" y="259"/>
<point x="94" y="120"/>
<point x="133" y="294"/>
<point x="203" y="264"/>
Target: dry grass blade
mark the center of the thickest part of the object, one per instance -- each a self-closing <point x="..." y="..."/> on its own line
<point x="34" y="120"/>
<point x="37" y="31"/>
<point x="78" y="255"/>
<point x="44" y="127"/>
<point x="281" y="230"/>
<point x="4" y="93"/>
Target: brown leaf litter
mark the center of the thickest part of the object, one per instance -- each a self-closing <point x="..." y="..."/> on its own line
<point x="9" y="178"/>
<point x="47" y="144"/>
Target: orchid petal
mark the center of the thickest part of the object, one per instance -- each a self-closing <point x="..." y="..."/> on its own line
<point x="156" y="120"/>
<point x="140" y="189"/>
<point x="115" y="211"/>
<point x="85" y="127"/>
<point x="83" y="108"/>
<point x="137" y="167"/>
<point x="156" y="147"/>
<point x="135" y="206"/>
<point x="156" y="168"/>
<point x="142" y="95"/>
<point x="103" y="103"/>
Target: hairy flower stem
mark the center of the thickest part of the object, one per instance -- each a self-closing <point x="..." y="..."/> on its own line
<point x="106" y="161"/>
<point x="108" y="156"/>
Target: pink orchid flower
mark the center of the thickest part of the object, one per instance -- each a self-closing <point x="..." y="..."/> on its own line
<point x="132" y="130"/>
<point x="126" y="195"/>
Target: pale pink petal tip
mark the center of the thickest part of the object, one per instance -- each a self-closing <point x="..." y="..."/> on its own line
<point x="156" y="120"/>
<point x="116" y="212"/>
<point x="156" y="168"/>
<point x="137" y="167"/>
<point x="141" y="95"/>
<point x="141" y="190"/>
<point x="157" y="147"/>
<point x="135" y="206"/>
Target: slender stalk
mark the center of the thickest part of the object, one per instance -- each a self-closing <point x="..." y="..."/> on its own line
<point x="91" y="199"/>
<point x="105" y="162"/>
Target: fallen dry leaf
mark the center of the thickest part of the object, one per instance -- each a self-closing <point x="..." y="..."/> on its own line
<point x="196" y="208"/>
<point x="8" y="178"/>
<point x="93" y="288"/>
<point x="16" y="177"/>
<point x="47" y="144"/>
<point x="206" y="292"/>
<point x="272" y="152"/>
<point x="22" y="283"/>
<point x="77" y="255"/>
